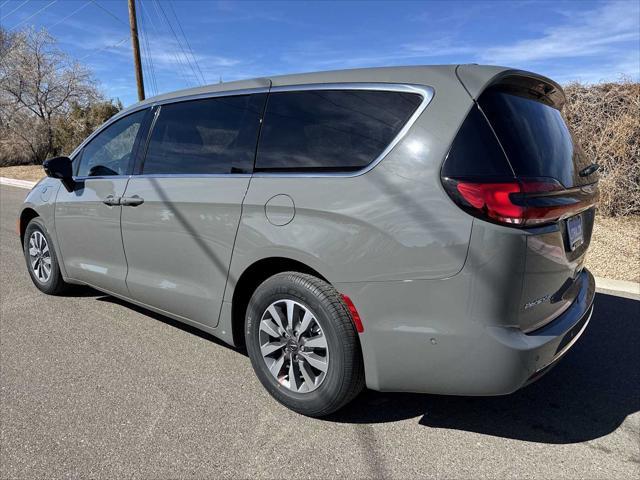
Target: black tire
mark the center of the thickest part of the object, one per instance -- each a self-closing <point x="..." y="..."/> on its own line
<point x="54" y="284"/>
<point x="344" y="377"/>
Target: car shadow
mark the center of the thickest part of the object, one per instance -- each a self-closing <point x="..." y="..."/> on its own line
<point x="586" y="396"/>
<point x="169" y="321"/>
<point x="80" y="291"/>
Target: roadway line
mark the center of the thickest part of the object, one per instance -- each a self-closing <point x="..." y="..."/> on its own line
<point x="17" y="183"/>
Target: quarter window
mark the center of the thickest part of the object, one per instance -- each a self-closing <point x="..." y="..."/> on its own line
<point x="110" y="151"/>
<point x="213" y="135"/>
<point x="331" y="130"/>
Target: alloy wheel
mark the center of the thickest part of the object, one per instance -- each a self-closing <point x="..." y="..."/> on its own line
<point x="39" y="256"/>
<point x="293" y="346"/>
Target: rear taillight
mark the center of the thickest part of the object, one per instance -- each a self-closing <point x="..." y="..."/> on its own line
<point x="521" y="202"/>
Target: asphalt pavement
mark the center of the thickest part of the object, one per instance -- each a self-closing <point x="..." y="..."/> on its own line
<point x="93" y="387"/>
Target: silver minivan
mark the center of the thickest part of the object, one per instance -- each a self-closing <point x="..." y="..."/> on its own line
<point x="416" y="229"/>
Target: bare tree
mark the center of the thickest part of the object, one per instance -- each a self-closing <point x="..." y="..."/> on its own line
<point x="39" y="84"/>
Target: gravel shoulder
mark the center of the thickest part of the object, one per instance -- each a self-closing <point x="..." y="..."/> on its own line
<point x="615" y="248"/>
<point x="23" y="172"/>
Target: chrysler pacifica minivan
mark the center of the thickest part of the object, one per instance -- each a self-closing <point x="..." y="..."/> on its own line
<point x="416" y="229"/>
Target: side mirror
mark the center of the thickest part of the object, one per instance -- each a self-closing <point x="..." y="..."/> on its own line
<point x="60" y="168"/>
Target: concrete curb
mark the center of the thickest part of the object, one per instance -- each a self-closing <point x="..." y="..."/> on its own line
<point x="17" y="183"/>
<point x="620" y="288"/>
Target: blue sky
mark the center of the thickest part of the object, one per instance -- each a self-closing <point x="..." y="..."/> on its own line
<point x="566" y="40"/>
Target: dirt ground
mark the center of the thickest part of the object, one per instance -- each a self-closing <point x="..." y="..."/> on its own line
<point x="615" y="248"/>
<point x="614" y="251"/>
<point x="23" y="172"/>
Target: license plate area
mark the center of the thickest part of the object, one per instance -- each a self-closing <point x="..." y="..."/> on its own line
<point x="574" y="232"/>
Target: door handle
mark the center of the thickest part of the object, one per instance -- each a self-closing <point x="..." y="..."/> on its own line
<point x="111" y="200"/>
<point x="132" y="201"/>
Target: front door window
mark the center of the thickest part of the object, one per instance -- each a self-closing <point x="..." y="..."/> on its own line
<point x="111" y="151"/>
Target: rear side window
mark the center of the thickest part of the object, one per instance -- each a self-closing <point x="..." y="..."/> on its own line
<point x="535" y="137"/>
<point x="213" y="135"/>
<point x="475" y="151"/>
<point x="331" y="130"/>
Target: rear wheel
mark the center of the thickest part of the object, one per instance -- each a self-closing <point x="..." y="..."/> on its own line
<point x="42" y="261"/>
<point x="303" y="345"/>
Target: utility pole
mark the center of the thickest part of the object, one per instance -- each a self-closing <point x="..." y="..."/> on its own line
<point x="137" y="64"/>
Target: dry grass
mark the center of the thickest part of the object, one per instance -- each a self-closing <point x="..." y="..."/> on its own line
<point x="23" y="172"/>
<point x="615" y="248"/>
<point x="605" y="119"/>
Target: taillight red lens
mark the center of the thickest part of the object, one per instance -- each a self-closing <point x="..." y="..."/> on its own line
<point x="493" y="199"/>
<point x="520" y="202"/>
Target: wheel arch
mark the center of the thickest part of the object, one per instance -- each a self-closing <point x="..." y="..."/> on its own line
<point x="250" y="279"/>
<point x="26" y="215"/>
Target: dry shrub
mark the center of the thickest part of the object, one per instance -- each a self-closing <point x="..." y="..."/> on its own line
<point x="605" y="119"/>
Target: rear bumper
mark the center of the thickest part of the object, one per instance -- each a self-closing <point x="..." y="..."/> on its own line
<point x="418" y="337"/>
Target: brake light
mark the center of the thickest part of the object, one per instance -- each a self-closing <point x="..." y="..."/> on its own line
<point x="493" y="199"/>
<point x="521" y="202"/>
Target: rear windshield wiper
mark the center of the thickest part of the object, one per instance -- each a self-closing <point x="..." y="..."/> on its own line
<point x="590" y="170"/>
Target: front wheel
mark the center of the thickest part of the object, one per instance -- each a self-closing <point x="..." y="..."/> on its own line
<point x="42" y="261"/>
<point x="303" y="345"/>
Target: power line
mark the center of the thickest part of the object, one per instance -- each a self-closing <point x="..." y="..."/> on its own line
<point x="147" y="52"/>
<point x="181" y="67"/>
<point x="158" y="34"/>
<point x="4" y="3"/>
<point x="146" y="14"/>
<point x="70" y="15"/>
<point x="188" y="62"/>
<point x="90" y="54"/>
<point x="204" y="81"/>
<point x="15" y="9"/>
<point x="153" y="67"/>
<point x="110" y="13"/>
<point x="184" y="63"/>
<point x="33" y="15"/>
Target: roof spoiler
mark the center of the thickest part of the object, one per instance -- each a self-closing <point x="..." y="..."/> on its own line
<point x="477" y="80"/>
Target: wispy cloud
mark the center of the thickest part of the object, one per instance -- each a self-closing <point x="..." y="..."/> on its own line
<point x="589" y="33"/>
<point x="319" y="55"/>
<point x="624" y="66"/>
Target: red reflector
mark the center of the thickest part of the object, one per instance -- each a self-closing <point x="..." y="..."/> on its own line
<point x="355" y="316"/>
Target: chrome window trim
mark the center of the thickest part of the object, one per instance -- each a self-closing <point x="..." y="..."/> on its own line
<point x="426" y="92"/>
<point x="200" y="96"/>
<point x="166" y="175"/>
<point x="100" y="177"/>
<point x="151" y="104"/>
<point x="192" y="175"/>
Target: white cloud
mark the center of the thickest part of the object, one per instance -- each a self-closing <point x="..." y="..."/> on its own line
<point x="590" y="33"/>
<point x="627" y="65"/>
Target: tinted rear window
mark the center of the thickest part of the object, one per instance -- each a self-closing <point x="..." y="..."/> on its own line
<point x="214" y="135"/>
<point x="339" y="130"/>
<point x="535" y="138"/>
<point x="475" y="152"/>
